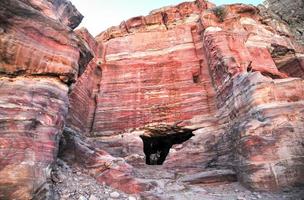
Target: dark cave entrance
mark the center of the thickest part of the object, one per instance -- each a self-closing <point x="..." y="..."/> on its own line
<point x="158" y="141"/>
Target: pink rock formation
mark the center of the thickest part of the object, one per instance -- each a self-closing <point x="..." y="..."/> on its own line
<point x="30" y="125"/>
<point x="105" y="168"/>
<point x="145" y="81"/>
<point x="39" y="55"/>
<point x="84" y="93"/>
<point x="28" y="47"/>
<point x="226" y="72"/>
<point x="218" y="69"/>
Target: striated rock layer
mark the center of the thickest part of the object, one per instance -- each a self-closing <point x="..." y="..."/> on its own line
<point x="30" y="125"/>
<point x="153" y="71"/>
<point x="225" y="71"/>
<point x="291" y="12"/>
<point x="230" y="74"/>
<point x="39" y="58"/>
<point x="288" y="21"/>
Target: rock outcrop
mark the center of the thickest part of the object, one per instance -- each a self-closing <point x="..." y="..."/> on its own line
<point x="227" y="82"/>
<point x="291" y="12"/>
<point x="286" y="17"/>
<point x="39" y="59"/>
<point x="222" y="71"/>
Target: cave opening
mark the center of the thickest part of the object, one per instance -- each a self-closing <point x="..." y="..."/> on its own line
<point x="159" y="140"/>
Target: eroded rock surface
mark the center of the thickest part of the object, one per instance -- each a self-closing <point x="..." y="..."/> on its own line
<point x="291" y="12"/>
<point x="216" y="69"/>
<point x="287" y="18"/>
<point x="231" y="74"/>
<point x="39" y="59"/>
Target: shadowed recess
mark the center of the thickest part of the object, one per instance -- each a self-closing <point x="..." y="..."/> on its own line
<point x="158" y="141"/>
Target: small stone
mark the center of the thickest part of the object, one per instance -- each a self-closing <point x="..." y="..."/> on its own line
<point x="78" y="173"/>
<point x="131" y="198"/>
<point x="65" y="196"/>
<point x="259" y="196"/>
<point x="114" y="194"/>
<point x="92" y="197"/>
<point x="241" y="198"/>
<point x="286" y="190"/>
<point x="82" y="198"/>
<point x="236" y="190"/>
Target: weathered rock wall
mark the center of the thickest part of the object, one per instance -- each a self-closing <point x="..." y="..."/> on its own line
<point x="249" y="85"/>
<point x="226" y="71"/>
<point x="154" y="70"/>
<point x="214" y="68"/>
<point x="286" y="17"/>
<point x="83" y="95"/>
<point x="39" y="58"/>
<point x="291" y="12"/>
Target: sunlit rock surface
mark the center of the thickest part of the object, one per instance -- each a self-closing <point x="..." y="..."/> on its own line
<point x="213" y="68"/>
<point x="39" y="58"/>
<point x="30" y="126"/>
<point x="291" y="12"/>
<point x="231" y="74"/>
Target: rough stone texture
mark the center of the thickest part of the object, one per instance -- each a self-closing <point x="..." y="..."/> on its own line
<point x="265" y="125"/>
<point x="217" y="69"/>
<point x="72" y="183"/>
<point x="83" y="95"/>
<point x="145" y="81"/>
<point x="286" y="17"/>
<point x="290" y="11"/>
<point x="63" y="12"/>
<point x="29" y="47"/>
<point x="39" y="57"/>
<point x="105" y="168"/>
<point x="226" y="72"/>
<point x="30" y="125"/>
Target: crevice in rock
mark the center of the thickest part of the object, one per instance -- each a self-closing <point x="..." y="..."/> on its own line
<point x="165" y="19"/>
<point x="98" y="71"/>
<point x="158" y="141"/>
<point x="196" y="78"/>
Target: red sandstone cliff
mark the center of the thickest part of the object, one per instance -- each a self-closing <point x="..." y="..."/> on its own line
<point x="225" y="69"/>
<point x="227" y="72"/>
<point x="39" y="57"/>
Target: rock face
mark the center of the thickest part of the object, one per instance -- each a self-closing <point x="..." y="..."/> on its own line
<point x="145" y="81"/>
<point x="39" y="58"/>
<point x="291" y="12"/>
<point x="30" y="125"/>
<point x="287" y="20"/>
<point x="83" y="96"/>
<point x="231" y="76"/>
<point x="225" y="71"/>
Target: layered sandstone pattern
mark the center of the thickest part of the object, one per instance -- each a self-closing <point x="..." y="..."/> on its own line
<point x="29" y="47"/>
<point x="39" y="58"/>
<point x="227" y="72"/>
<point x="286" y="17"/>
<point x="83" y="95"/>
<point x="31" y="123"/>
<point x="213" y="68"/>
<point x="249" y="84"/>
<point x="291" y="12"/>
<point x="264" y="127"/>
<point x="154" y="70"/>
